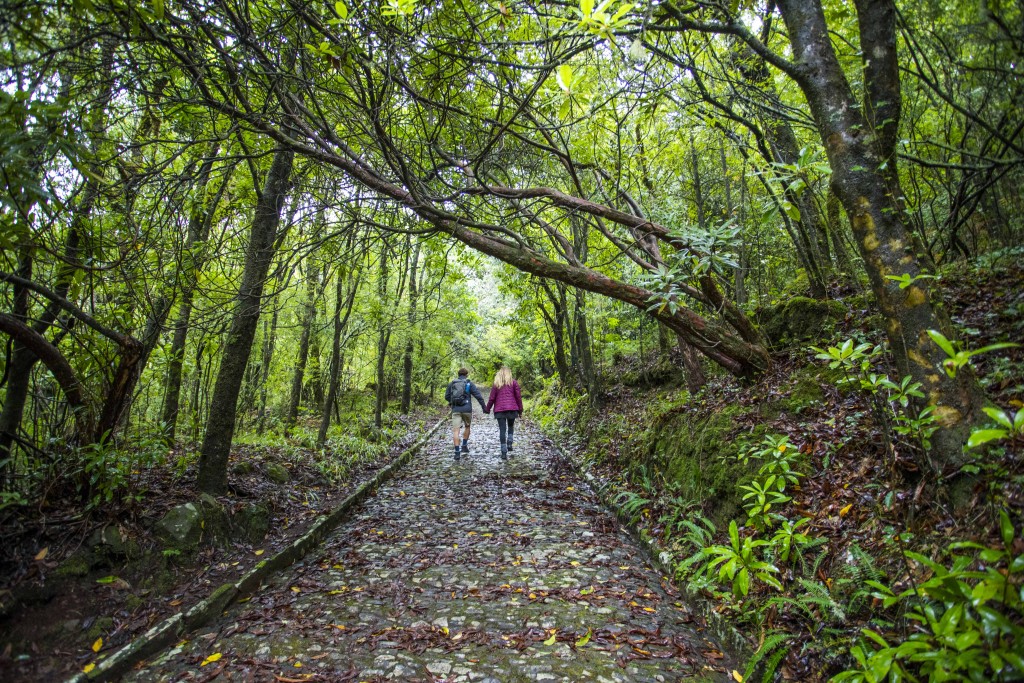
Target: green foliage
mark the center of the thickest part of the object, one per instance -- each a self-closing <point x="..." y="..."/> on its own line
<point x="776" y="473"/>
<point x="632" y="505"/>
<point x="789" y="540"/>
<point x="958" y="357"/>
<point x="962" y="619"/>
<point x="892" y="402"/>
<point x="739" y="563"/>
<point x="1010" y="427"/>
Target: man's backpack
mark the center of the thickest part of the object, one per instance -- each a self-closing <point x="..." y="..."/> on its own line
<point x="460" y="393"/>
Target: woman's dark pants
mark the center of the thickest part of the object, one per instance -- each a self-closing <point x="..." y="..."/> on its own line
<point x="506" y="423"/>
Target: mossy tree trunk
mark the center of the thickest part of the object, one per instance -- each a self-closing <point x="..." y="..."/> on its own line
<point x="860" y="140"/>
<point x="220" y="427"/>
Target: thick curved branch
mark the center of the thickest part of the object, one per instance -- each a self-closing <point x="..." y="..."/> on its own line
<point x="54" y="360"/>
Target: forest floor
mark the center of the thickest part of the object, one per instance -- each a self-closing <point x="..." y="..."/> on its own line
<point x="49" y="632"/>
<point x="482" y="570"/>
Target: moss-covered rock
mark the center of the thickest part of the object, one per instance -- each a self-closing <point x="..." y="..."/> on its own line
<point x="806" y="390"/>
<point x="252" y="522"/>
<point x="799" y="319"/>
<point x="242" y="468"/>
<point x="277" y="473"/>
<point x="182" y="527"/>
<point x="76" y="565"/>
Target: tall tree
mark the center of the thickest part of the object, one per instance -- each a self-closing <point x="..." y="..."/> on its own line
<point x="263" y="236"/>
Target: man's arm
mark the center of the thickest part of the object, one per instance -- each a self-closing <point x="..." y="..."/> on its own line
<point x="475" y="392"/>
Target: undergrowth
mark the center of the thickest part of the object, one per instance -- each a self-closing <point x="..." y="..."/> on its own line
<point x="840" y="564"/>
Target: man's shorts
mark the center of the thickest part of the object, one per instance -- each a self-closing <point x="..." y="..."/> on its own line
<point x="460" y="420"/>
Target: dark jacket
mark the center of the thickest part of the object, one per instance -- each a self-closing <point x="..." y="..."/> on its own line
<point x="473" y="391"/>
<point x="506" y="398"/>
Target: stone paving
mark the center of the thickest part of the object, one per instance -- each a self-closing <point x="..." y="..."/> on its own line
<point x="483" y="570"/>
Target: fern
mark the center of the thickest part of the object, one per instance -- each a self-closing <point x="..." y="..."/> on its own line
<point x="775" y="645"/>
<point x="854" y="577"/>
<point x="631" y="504"/>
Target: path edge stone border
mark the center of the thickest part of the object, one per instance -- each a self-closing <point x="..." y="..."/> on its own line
<point x="660" y="559"/>
<point x="176" y="626"/>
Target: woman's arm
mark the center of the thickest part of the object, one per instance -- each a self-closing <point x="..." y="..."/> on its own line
<point x="519" y="396"/>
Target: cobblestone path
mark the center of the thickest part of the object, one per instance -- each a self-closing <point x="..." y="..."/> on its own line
<point x="481" y="570"/>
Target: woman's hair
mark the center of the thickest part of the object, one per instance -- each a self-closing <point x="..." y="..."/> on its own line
<point x="503" y="377"/>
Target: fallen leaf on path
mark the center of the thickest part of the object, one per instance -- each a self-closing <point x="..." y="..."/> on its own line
<point x="41" y="555"/>
<point x="211" y="659"/>
<point x="97" y="645"/>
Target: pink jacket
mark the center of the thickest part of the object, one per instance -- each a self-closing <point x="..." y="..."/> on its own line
<point x="507" y="397"/>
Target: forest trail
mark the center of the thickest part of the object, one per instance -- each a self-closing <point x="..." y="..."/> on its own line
<point x="461" y="572"/>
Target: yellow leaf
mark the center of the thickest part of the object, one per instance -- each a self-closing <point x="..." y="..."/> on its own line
<point x="575" y="563"/>
<point x="584" y="640"/>
<point x="455" y="545"/>
<point x="846" y="510"/>
<point x="296" y="589"/>
<point x="551" y="640"/>
<point x="211" y="659"/>
<point x="587" y="591"/>
<point x="97" y="645"/>
<point x="298" y="665"/>
<point x="41" y="555"/>
<point x="737" y="676"/>
<point x="570" y="488"/>
<point x="259" y="552"/>
<point x="340" y="627"/>
<point x="401" y="493"/>
<point x="88" y="667"/>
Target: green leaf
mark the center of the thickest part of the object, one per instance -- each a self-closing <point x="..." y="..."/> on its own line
<point x="942" y="342"/>
<point x="995" y="347"/>
<point x="1006" y="528"/>
<point x="999" y="416"/>
<point x="981" y="436"/>
<point x="742" y="583"/>
<point x="564" y="77"/>
<point x="341" y="9"/>
<point x="584" y="640"/>
<point x="586" y="7"/>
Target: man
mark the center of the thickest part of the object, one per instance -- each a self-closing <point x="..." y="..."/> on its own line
<point x="458" y="395"/>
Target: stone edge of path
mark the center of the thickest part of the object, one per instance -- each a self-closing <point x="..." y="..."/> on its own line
<point x="174" y="627"/>
<point x="661" y="560"/>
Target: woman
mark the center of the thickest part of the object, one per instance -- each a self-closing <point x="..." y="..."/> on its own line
<point x="507" y="402"/>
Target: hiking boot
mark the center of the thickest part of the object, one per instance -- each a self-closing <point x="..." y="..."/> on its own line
<point x="465" y="447"/>
<point x="458" y="454"/>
